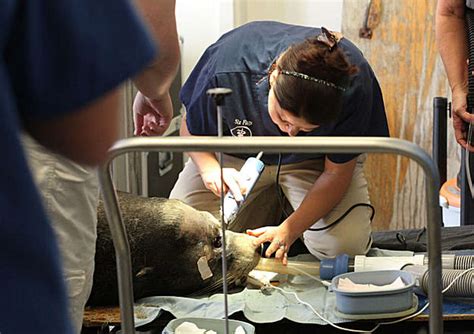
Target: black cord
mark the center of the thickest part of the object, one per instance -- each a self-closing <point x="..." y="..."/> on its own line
<point x="279" y="190"/>
<point x="338" y="220"/>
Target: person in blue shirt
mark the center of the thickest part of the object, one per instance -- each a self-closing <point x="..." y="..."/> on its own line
<point x="287" y="80"/>
<point x="62" y="62"/>
<point x="70" y="190"/>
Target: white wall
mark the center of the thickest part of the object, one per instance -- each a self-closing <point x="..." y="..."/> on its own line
<point x="327" y="13"/>
<point x="201" y="22"/>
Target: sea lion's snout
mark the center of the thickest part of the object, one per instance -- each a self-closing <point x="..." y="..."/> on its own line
<point x="242" y="249"/>
<point x="243" y="242"/>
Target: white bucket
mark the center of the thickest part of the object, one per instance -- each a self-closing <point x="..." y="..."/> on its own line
<point x="451" y="214"/>
<point x="450" y="201"/>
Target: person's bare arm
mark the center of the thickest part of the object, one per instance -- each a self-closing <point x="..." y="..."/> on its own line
<point x="153" y="109"/>
<point x="452" y="41"/>
<point x="159" y="16"/>
<point x="451" y="38"/>
<point x="84" y="135"/>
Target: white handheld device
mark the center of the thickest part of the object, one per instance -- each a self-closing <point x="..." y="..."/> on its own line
<point x="251" y="171"/>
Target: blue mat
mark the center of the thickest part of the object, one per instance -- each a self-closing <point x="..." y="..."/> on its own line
<point x="451" y="306"/>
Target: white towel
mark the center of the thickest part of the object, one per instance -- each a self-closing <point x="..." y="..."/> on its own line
<point x="190" y="328"/>
<point x="346" y="285"/>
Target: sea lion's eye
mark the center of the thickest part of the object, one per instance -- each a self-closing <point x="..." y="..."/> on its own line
<point x="217" y="243"/>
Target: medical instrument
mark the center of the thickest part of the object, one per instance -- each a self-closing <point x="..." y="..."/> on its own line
<point x="327" y="269"/>
<point x="251" y="171"/>
<point x="294" y="267"/>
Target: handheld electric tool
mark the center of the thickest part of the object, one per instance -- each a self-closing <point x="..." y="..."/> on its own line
<point x="251" y="171"/>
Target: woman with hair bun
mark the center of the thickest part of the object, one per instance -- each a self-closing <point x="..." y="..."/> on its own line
<point x="287" y="80"/>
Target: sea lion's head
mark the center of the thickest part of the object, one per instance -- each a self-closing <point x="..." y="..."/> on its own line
<point x="175" y="250"/>
<point x="200" y="247"/>
<point x="203" y="231"/>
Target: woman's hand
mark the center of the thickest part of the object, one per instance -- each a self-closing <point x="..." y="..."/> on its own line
<point x="233" y="181"/>
<point x="280" y="238"/>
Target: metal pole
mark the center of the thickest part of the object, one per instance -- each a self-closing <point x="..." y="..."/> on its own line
<point x="275" y="145"/>
<point x="440" y="146"/>
<point x="440" y="130"/>
<point x="122" y="248"/>
<point x="219" y="94"/>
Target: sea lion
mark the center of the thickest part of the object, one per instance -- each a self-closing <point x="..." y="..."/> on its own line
<point x="175" y="250"/>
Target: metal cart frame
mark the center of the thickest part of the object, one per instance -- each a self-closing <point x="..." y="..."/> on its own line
<point x="271" y="145"/>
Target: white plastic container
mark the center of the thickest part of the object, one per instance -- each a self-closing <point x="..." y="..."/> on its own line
<point x="449" y="200"/>
<point x="217" y="325"/>
<point x="451" y="214"/>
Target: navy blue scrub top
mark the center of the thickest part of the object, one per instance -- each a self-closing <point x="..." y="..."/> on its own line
<point x="240" y="60"/>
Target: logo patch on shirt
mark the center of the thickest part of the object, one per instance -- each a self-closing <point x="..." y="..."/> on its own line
<point x="242" y="129"/>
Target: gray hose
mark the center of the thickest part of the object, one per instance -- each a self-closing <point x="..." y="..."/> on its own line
<point x="463" y="262"/>
<point x="462" y="287"/>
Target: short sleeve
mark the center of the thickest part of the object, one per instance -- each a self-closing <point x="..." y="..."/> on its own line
<point x="67" y="53"/>
<point x="201" y="115"/>
<point x="363" y="111"/>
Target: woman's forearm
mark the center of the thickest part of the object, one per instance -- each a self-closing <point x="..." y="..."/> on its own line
<point x="159" y="15"/>
<point x="327" y="191"/>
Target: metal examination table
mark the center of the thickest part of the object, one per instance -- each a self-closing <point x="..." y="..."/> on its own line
<point x="272" y="145"/>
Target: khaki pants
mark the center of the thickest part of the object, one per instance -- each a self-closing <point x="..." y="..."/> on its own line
<point x="70" y="193"/>
<point x="351" y="236"/>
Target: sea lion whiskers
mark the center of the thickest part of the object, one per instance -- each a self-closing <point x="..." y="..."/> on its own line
<point x="216" y="286"/>
<point x="208" y="289"/>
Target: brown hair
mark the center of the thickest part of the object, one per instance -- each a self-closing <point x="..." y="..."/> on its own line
<point x="319" y="100"/>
